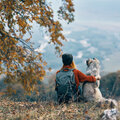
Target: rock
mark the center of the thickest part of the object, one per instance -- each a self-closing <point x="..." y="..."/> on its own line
<point x="109" y="114"/>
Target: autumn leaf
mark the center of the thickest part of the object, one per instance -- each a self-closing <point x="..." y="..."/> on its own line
<point x="1" y="26"/>
<point x="18" y="60"/>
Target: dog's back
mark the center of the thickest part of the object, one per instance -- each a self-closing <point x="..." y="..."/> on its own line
<point x="91" y="91"/>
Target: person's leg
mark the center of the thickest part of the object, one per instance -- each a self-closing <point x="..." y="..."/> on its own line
<point x="68" y="99"/>
<point x="61" y="99"/>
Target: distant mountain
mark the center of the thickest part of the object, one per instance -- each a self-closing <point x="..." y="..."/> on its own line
<point x="83" y="44"/>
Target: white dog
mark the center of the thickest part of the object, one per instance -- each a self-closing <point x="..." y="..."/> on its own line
<point x="91" y="91"/>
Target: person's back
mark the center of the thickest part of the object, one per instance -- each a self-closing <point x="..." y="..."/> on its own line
<point x="66" y="86"/>
<point x="68" y="79"/>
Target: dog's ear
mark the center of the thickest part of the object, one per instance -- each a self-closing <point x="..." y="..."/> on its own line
<point x="88" y="62"/>
<point x="96" y="60"/>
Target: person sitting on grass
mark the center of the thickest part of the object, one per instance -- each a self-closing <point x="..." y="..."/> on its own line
<point x="68" y="78"/>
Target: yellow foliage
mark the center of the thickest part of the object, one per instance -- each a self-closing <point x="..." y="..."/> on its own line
<point x="1" y="26"/>
<point x="17" y="58"/>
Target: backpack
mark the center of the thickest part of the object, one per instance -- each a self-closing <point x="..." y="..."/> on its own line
<point x="65" y="85"/>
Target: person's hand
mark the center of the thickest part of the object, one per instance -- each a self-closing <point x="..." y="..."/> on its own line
<point x="97" y="77"/>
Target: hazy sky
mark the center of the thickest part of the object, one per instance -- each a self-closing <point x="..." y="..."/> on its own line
<point x="104" y="15"/>
<point x="98" y="10"/>
<point x="100" y="14"/>
<point x="95" y="13"/>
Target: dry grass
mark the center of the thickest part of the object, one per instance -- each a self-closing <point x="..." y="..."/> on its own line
<point x="10" y="110"/>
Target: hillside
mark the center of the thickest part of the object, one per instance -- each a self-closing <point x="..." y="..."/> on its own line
<point x="47" y="90"/>
<point x="43" y="106"/>
<point x="10" y="110"/>
<point x="110" y="85"/>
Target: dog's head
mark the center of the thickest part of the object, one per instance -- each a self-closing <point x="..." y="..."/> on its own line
<point x="93" y="67"/>
<point x="94" y="61"/>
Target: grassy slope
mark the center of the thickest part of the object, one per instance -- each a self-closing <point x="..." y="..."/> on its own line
<point x="49" y="111"/>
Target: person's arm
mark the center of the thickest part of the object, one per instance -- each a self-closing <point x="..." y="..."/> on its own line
<point x="82" y="77"/>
